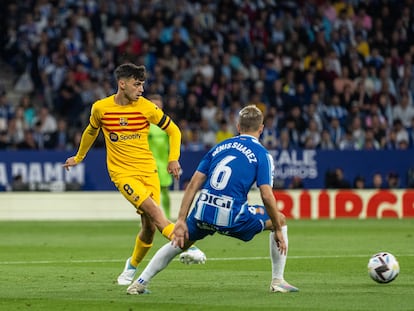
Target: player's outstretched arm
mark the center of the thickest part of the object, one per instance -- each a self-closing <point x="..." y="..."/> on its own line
<point x="88" y="137"/>
<point x="180" y="232"/>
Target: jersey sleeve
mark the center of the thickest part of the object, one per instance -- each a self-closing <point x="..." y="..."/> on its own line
<point x="265" y="169"/>
<point x="95" y="118"/>
<point x="174" y="135"/>
<point x="164" y="122"/>
<point x="204" y="164"/>
<point x="89" y="135"/>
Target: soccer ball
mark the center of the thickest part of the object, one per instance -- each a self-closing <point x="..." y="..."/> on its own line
<point x="383" y="267"/>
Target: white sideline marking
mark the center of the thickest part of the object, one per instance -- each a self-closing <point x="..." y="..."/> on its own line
<point x="39" y="262"/>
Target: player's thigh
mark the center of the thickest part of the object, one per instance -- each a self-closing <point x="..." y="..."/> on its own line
<point x="152" y="182"/>
<point x="258" y="212"/>
<point x="249" y="224"/>
<point x="136" y="190"/>
<point x="198" y="230"/>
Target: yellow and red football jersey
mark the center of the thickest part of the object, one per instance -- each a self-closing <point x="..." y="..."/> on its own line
<point x="126" y="128"/>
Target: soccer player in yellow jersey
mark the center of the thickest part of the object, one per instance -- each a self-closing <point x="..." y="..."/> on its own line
<point x="125" y="119"/>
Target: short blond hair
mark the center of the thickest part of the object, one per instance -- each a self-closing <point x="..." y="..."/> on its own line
<point x="250" y="119"/>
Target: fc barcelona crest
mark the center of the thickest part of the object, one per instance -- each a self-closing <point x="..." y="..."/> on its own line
<point x="123" y="121"/>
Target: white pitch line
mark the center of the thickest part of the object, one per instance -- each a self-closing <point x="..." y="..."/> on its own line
<point x="40" y="262"/>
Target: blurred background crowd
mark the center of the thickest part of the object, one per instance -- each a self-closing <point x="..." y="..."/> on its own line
<point x="327" y="74"/>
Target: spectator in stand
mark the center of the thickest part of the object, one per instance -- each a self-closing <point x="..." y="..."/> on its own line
<point x="378" y="127"/>
<point x="292" y="132"/>
<point x="311" y="114"/>
<point x="343" y="20"/>
<point x="348" y="142"/>
<point x="14" y="134"/>
<point x="21" y="124"/>
<point x="209" y="112"/>
<point x="191" y="110"/>
<point x="284" y="140"/>
<point x="269" y="135"/>
<point x="195" y="143"/>
<point x="393" y="180"/>
<point x="116" y="34"/>
<point x="59" y="139"/>
<point x="297" y="117"/>
<point x="168" y="62"/>
<point x="377" y="181"/>
<point x="311" y="135"/>
<point x="6" y="111"/>
<point x="4" y="140"/>
<point x="29" y="142"/>
<point x="207" y="134"/>
<point x="277" y="97"/>
<point x="400" y="131"/>
<point x="326" y="141"/>
<point x="335" y="179"/>
<point x="370" y="143"/>
<point x="391" y="140"/>
<point x="386" y="107"/>
<point x="29" y="111"/>
<point x="44" y="127"/>
<point x="296" y="183"/>
<point x="404" y="111"/>
<point x="174" y="107"/>
<point x="223" y="132"/>
<point x="403" y="145"/>
<point x="336" y="131"/>
<point x="359" y="182"/>
<point x="258" y="98"/>
<point x="68" y="101"/>
<point x="335" y="110"/>
<point x="358" y="131"/>
<point x="340" y="181"/>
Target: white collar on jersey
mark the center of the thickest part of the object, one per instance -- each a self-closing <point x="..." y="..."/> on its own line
<point x="247" y="135"/>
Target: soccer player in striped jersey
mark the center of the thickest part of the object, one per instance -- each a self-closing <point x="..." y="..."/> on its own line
<point x="222" y="181"/>
<point x="125" y="119"/>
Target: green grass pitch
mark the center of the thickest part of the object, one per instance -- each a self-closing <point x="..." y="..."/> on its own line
<point x="74" y="265"/>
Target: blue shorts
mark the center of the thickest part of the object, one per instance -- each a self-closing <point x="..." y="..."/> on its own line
<point x="245" y="228"/>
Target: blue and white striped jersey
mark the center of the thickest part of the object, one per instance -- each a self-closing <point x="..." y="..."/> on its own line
<point x="231" y="167"/>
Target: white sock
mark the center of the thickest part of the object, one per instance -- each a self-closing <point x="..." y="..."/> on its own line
<point x="158" y="262"/>
<point x="278" y="260"/>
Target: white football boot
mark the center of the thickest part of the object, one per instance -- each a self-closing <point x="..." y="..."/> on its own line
<point x="281" y="286"/>
<point x="127" y="276"/>
<point x="193" y="255"/>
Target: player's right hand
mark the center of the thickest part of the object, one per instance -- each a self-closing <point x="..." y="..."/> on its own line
<point x="69" y="162"/>
<point x="280" y="241"/>
<point x="180" y="234"/>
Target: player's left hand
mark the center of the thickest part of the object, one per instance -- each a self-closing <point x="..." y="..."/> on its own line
<point x="174" y="168"/>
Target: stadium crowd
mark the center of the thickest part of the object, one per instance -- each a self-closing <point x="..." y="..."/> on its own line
<point x="328" y="74"/>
